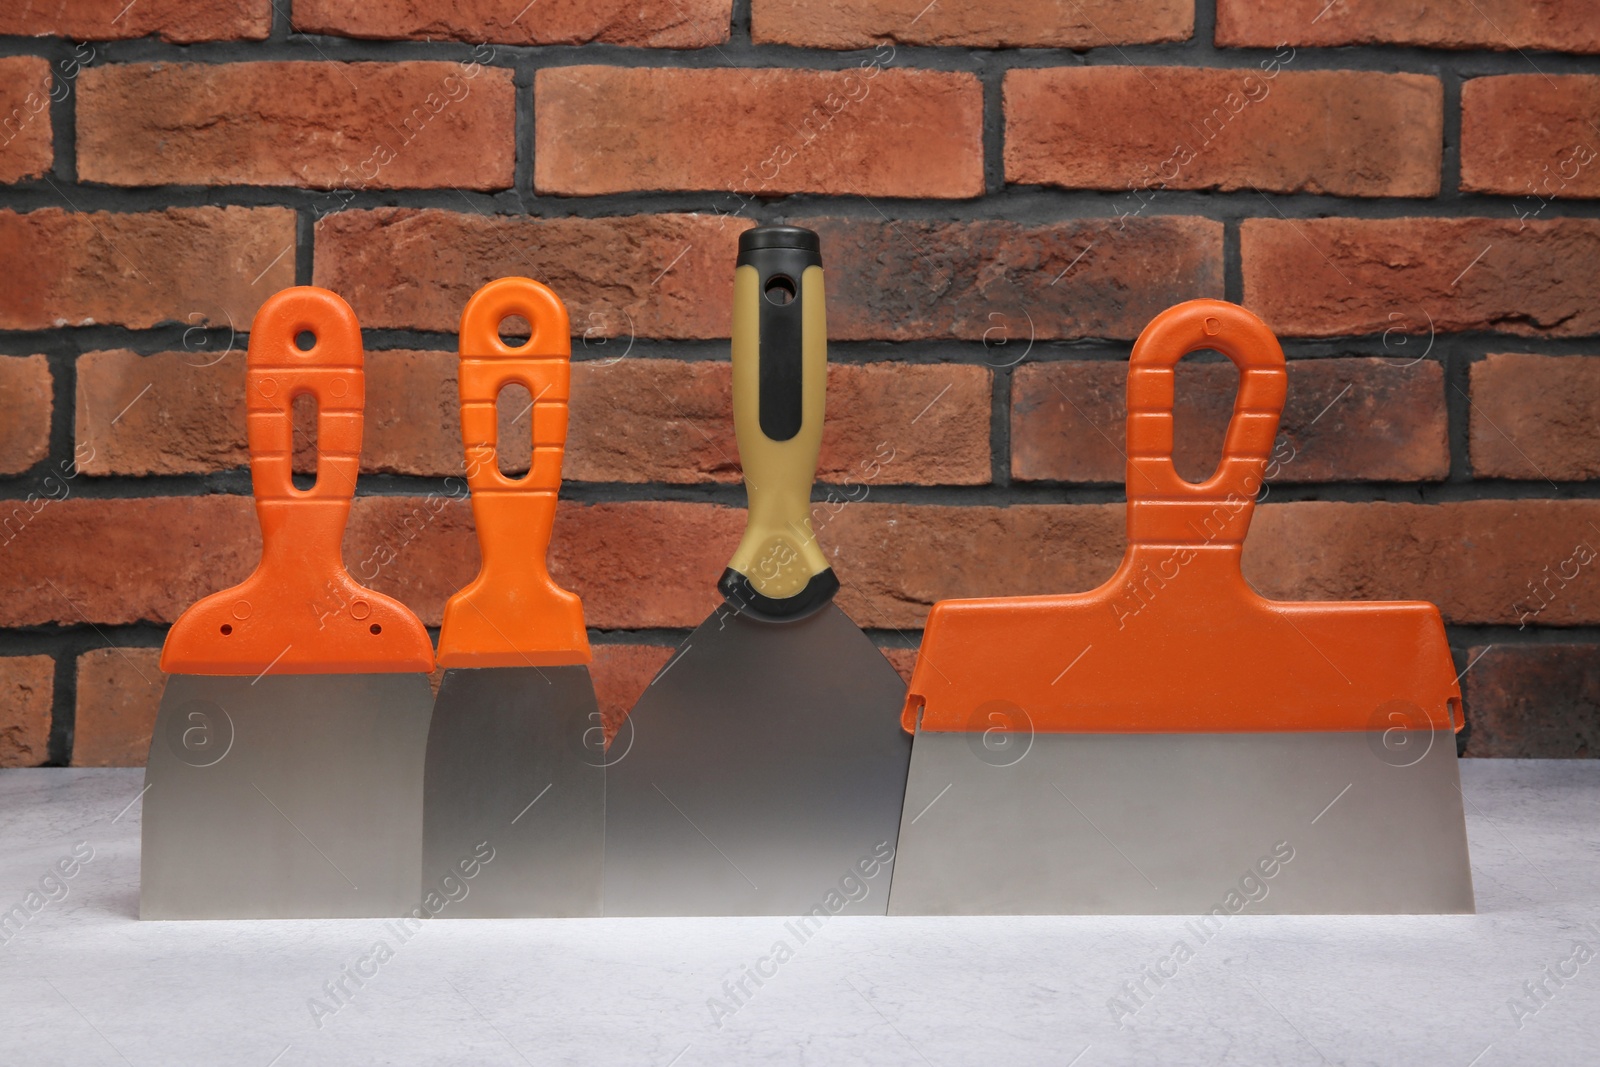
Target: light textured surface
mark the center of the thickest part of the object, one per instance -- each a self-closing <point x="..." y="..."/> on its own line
<point x="83" y="982"/>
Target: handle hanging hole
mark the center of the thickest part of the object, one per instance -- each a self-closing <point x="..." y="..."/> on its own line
<point x="305" y="340"/>
<point x="226" y="629"/>
<point x="781" y="289"/>
<point x="1204" y="387"/>
<point x="303" y="412"/>
<point x="514" y="418"/>
<point x="514" y="331"/>
<point x="375" y="629"/>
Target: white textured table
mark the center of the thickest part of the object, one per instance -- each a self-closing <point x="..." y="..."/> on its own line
<point x="84" y="982"/>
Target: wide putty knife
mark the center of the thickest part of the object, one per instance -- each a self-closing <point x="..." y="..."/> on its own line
<point x="516" y="750"/>
<point x="764" y="767"/>
<point x="285" y="772"/>
<point x="1172" y="742"/>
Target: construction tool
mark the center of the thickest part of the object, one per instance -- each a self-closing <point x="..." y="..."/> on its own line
<point x="762" y="771"/>
<point x="1173" y="742"/>
<point x="285" y="771"/>
<point x="516" y="751"/>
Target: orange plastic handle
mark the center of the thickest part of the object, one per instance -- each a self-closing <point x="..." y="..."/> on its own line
<point x="1163" y="508"/>
<point x="1176" y="641"/>
<point x="513" y="614"/>
<point x="301" y="612"/>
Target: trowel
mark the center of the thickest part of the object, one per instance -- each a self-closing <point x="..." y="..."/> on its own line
<point x="1173" y="742"/>
<point x="285" y="771"/>
<point x="515" y="764"/>
<point x="762" y="771"/>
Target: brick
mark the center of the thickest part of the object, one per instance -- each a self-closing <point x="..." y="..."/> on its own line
<point x="663" y="276"/>
<point x="895" y="561"/>
<point x="413" y="417"/>
<point x="27" y="690"/>
<point x="26" y="398"/>
<point x="26" y="146"/>
<point x="1008" y="284"/>
<point x="666" y="276"/>
<point x="417" y="549"/>
<point x="321" y="125"/>
<point x="621" y="674"/>
<point x="199" y="266"/>
<point x="119" y="693"/>
<point x="638" y="420"/>
<point x="653" y="420"/>
<point x="119" y="561"/>
<point x="888" y="424"/>
<point x="168" y="413"/>
<point x="653" y="564"/>
<point x="645" y="24"/>
<point x="1500" y="25"/>
<point x="1523" y="557"/>
<point x="1533" y="701"/>
<point x="1535" y="417"/>
<point x="1357" y="419"/>
<point x="996" y="24"/>
<point x="637" y="565"/>
<point x="896" y="424"/>
<point x="904" y="660"/>
<point x="158" y="555"/>
<point x="866" y="132"/>
<point x="182" y="21"/>
<point x="184" y="413"/>
<point x="1346" y="133"/>
<point x="1334" y="277"/>
<point x="1530" y="136"/>
<point x="665" y="576"/>
<point x="155" y="556"/>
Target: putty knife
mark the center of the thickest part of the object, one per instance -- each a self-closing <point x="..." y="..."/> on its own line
<point x="516" y="751"/>
<point x="762" y="771"/>
<point x="285" y="772"/>
<point x="1172" y="742"/>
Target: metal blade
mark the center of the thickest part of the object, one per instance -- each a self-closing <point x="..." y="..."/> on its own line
<point x="290" y="796"/>
<point x="1133" y="824"/>
<point x="515" y="765"/>
<point x="762" y="770"/>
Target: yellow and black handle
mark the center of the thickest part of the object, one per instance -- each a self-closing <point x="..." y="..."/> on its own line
<point x="780" y="372"/>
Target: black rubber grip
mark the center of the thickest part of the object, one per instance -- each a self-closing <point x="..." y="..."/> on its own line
<point x="780" y="255"/>
<point x="743" y="598"/>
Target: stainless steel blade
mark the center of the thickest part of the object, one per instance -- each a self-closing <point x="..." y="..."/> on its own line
<point x="289" y="796"/>
<point x="762" y="770"/>
<point x="1172" y="823"/>
<point x="516" y="763"/>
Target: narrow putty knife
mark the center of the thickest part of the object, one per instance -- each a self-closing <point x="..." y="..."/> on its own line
<point x="762" y="771"/>
<point x="516" y="750"/>
<point x="1172" y="742"/>
<point x="285" y="772"/>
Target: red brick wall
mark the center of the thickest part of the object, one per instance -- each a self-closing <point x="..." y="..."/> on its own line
<point x="1007" y="192"/>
